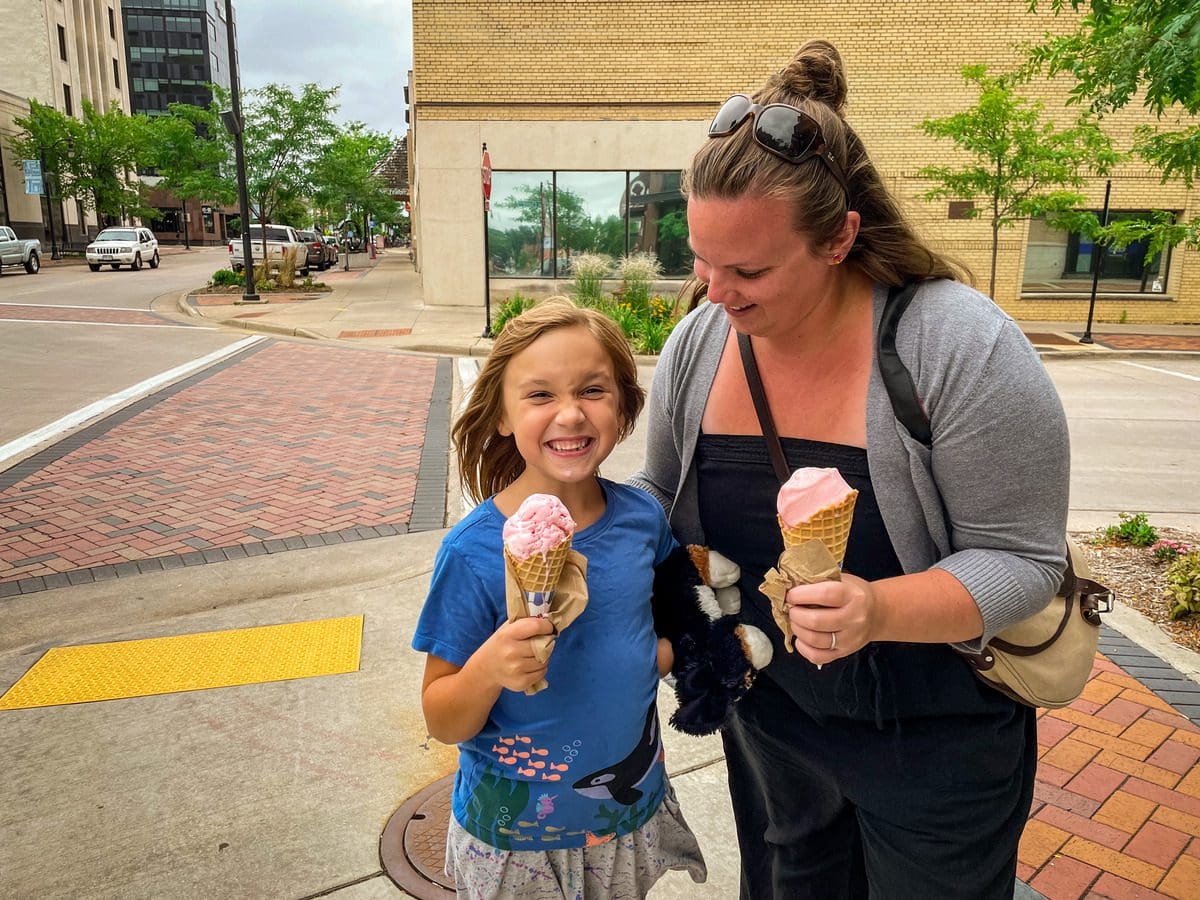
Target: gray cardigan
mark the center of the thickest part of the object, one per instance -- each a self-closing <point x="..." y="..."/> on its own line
<point x="988" y="501"/>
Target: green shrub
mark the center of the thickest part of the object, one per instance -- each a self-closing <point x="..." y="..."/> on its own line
<point x="1183" y="585"/>
<point x="226" y="277"/>
<point x="653" y="335"/>
<point x="510" y="309"/>
<point x="589" y="271"/>
<point x="1134" y="529"/>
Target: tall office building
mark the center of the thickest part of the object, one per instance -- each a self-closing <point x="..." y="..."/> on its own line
<point x="176" y="48"/>
<point x="63" y="52"/>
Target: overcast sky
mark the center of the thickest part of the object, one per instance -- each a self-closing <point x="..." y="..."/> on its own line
<point x="363" y="45"/>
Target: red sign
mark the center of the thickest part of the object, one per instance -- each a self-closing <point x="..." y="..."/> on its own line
<point x="487" y="180"/>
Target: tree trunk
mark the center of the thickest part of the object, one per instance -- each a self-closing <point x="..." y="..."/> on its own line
<point x="183" y="220"/>
<point x="995" y="251"/>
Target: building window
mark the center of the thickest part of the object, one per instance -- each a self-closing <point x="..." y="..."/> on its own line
<point x="206" y="212"/>
<point x="62" y="43"/>
<point x="112" y="24"/>
<point x="116" y="74"/>
<point x="539" y="221"/>
<point x="68" y="106"/>
<point x="1066" y="262"/>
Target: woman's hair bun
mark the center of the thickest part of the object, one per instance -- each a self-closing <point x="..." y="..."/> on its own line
<point x="816" y="72"/>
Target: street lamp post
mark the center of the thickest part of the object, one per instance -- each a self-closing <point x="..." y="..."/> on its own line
<point x="233" y="121"/>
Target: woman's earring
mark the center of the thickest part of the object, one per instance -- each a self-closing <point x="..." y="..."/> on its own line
<point x="837" y="258"/>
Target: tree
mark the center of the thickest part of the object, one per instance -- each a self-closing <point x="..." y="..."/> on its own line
<point x="1023" y="167"/>
<point x="191" y="153"/>
<point x="346" y="186"/>
<point x="93" y="158"/>
<point x="284" y="136"/>
<point x="108" y="150"/>
<point x="1117" y="50"/>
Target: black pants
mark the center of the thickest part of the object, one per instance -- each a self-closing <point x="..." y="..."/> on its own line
<point x="841" y="809"/>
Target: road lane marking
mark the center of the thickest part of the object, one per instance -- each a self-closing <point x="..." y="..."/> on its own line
<point x="468" y="371"/>
<point x="68" y="306"/>
<point x="4" y="321"/>
<point x="1161" y="371"/>
<point x="73" y="420"/>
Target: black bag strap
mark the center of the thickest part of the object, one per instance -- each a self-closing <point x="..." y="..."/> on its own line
<point x="896" y="378"/>
<point x="765" y="421"/>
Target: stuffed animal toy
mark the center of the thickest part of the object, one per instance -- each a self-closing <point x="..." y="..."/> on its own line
<point x="695" y="606"/>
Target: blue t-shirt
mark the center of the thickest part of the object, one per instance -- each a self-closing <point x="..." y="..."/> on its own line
<point x="581" y="761"/>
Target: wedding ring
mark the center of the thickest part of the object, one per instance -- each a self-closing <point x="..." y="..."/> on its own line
<point x="833" y="640"/>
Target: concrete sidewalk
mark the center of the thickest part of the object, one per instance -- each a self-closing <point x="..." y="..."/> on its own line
<point x="380" y="306"/>
<point x="283" y="789"/>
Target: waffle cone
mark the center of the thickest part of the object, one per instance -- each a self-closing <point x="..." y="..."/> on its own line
<point x="831" y="526"/>
<point x="540" y="573"/>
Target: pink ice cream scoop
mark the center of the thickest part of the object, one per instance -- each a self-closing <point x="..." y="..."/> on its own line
<point x="539" y="525"/>
<point x="809" y="491"/>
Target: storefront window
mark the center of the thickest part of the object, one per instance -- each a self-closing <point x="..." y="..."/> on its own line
<point x="1066" y="261"/>
<point x="521" y="223"/>
<point x="589" y="218"/>
<point x="540" y="220"/>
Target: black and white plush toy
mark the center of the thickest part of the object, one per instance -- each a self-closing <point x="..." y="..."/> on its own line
<point x="695" y="605"/>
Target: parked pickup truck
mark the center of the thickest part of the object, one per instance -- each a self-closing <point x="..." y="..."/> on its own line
<point x="15" y="251"/>
<point x="282" y="241"/>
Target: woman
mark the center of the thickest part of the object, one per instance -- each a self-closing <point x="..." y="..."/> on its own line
<point x="871" y="762"/>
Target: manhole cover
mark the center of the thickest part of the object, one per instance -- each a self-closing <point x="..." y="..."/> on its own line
<point x="412" y="847"/>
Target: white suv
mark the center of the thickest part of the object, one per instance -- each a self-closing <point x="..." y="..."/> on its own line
<point x="120" y="246"/>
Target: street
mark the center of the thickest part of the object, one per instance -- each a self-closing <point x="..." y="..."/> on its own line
<point x="70" y="337"/>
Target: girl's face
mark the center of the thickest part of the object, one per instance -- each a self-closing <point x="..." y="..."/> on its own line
<point x="757" y="267"/>
<point x="561" y="407"/>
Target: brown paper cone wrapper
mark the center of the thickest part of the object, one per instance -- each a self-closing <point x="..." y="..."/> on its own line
<point x="540" y="573"/>
<point x="570" y="600"/>
<point x="830" y="526"/>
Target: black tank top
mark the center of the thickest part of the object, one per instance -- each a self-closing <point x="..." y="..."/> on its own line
<point x="881" y="683"/>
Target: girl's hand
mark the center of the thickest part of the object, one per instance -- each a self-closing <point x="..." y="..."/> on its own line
<point x="506" y="658"/>
<point x="666" y="657"/>
<point x="832" y="619"/>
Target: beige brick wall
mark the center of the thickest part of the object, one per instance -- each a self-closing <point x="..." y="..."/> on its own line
<point x="676" y="60"/>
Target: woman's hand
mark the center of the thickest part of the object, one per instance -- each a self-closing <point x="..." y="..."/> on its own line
<point x="832" y="619"/>
<point x="506" y="659"/>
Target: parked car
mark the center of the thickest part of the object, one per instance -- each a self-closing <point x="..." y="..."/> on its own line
<point x="123" y="247"/>
<point x="15" y="251"/>
<point x="331" y="249"/>
<point x="281" y="241"/>
<point x="314" y="249"/>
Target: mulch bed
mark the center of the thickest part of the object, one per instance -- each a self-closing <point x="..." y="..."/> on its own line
<point x="1139" y="581"/>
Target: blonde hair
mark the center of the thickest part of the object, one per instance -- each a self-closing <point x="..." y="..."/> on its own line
<point x="887" y="249"/>
<point x="488" y="461"/>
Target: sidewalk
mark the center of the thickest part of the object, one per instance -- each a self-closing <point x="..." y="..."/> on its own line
<point x="289" y="484"/>
<point x="384" y="309"/>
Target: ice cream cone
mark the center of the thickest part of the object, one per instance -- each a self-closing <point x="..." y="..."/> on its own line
<point x="831" y="526"/>
<point x="538" y="575"/>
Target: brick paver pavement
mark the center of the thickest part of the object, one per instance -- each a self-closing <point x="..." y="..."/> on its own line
<point x="1189" y="342"/>
<point x="285" y="446"/>
<point x="1116" y="810"/>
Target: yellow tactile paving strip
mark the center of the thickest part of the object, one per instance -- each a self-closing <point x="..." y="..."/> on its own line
<point x="189" y="662"/>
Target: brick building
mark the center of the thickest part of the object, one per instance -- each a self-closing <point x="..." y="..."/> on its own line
<point x="61" y="53"/>
<point x="589" y="112"/>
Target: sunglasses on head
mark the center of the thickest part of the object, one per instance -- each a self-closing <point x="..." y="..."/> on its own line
<point x="782" y="130"/>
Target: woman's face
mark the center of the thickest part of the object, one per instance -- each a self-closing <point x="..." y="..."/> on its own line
<point x="757" y="267"/>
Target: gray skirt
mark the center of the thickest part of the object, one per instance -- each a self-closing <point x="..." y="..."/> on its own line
<point x="624" y="868"/>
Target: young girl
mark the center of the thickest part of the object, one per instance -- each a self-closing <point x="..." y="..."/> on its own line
<point x="563" y="793"/>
